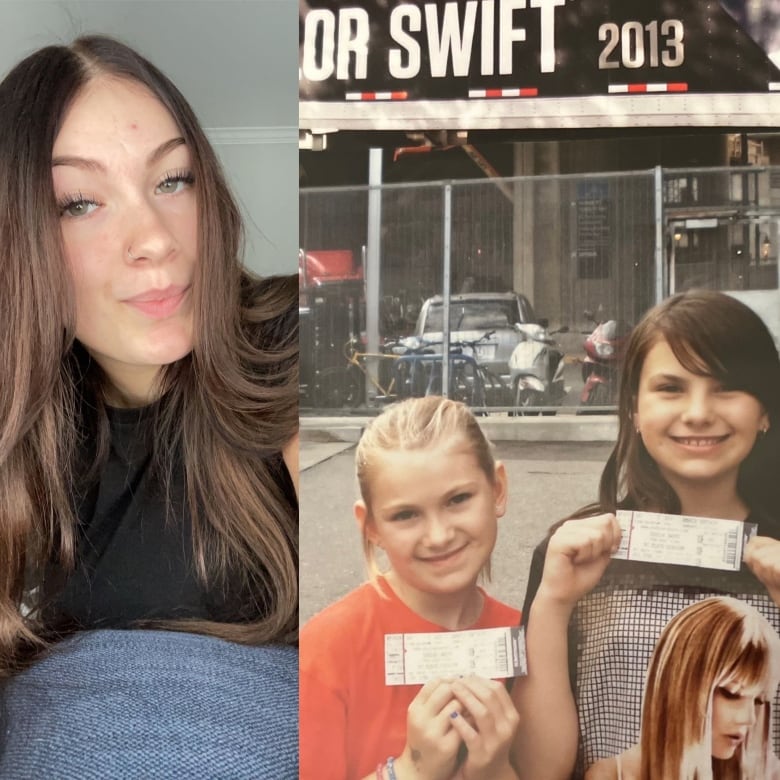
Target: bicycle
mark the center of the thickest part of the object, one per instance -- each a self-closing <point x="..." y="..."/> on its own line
<point x="357" y="372"/>
<point x="341" y="386"/>
<point x="485" y="388"/>
<point x="419" y="373"/>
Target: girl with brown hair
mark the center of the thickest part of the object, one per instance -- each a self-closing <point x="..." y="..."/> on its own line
<point x="148" y="393"/>
<point x="698" y="412"/>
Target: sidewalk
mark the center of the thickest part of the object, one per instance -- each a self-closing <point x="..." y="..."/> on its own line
<point x="314" y="452"/>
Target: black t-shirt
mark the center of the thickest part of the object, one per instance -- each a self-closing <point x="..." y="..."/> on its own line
<point x="133" y="563"/>
<point x="615" y="627"/>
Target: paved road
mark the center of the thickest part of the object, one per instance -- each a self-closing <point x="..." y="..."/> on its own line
<point x="546" y="482"/>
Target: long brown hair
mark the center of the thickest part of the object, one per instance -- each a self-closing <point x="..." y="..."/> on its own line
<point x="226" y="408"/>
<point x="710" y="333"/>
<point x="711" y="643"/>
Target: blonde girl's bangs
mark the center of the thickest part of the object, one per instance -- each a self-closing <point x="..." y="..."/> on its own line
<point x="417" y="423"/>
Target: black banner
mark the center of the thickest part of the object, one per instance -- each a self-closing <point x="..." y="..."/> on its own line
<point x="401" y="52"/>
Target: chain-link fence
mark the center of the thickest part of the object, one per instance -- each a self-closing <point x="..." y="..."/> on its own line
<point x="542" y="278"/>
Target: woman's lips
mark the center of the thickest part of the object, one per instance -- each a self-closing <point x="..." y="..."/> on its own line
<point x="159" y="304"/>
<point x="736" y="738"/>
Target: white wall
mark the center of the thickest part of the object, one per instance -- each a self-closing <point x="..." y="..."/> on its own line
<point x="236" y="63"/>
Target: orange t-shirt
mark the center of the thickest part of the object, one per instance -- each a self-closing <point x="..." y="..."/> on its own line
<point x="350" y="721"/>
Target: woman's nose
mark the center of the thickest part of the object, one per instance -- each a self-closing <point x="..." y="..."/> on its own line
<point x="698" y="407"/>
<point x="746" y="712"/>
<point x="149" y="238"/>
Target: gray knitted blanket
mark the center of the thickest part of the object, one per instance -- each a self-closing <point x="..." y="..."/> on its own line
<point x="152" y="704"/>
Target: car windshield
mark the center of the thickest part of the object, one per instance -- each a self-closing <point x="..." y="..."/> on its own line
<point x="474" y="315"/>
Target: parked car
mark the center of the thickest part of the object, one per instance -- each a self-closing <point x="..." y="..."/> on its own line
<point x="472" y="316"/>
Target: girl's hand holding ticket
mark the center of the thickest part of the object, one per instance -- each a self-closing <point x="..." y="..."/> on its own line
<point x="446" y="713"/>
<point x="762" y="555"/>
<point x="578" y="553"/>
<point x="431" y="742"/>
<point x="488" y="730"/>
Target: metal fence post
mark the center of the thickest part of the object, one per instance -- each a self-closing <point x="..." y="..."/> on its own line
<point x="660" y="291"/>
<point x="373" y="264"/>
<point x="445" y="290"/>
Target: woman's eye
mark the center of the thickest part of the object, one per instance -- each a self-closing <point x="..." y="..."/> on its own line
<point x="460" y="498"/>
<point x="175" y="182"/>
<point x="727" y="694"/>
<point x="77" y="207"/>
<point x="404" y="514"/>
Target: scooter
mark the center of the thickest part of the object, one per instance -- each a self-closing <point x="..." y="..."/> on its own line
<point x="604" y="349"/>
<point x="536" y="367"/>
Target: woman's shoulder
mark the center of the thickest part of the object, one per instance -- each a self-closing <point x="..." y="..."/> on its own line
<point x="773" y="767"/>
<point x="625" y="766"/>
<point x="605" y="769"/>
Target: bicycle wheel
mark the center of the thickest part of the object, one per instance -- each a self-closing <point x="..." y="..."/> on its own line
<point x="419" y="376"/>
<point x="480" y="383"/>
<point x="354" y="387"/>
<point x="491" y="390"/>
<point x="467" y="384"/>
<point x="330" y="388"/>
<point x="460" y="388"/>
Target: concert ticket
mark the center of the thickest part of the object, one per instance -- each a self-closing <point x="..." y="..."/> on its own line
<point x="495" y="653"/>
<point x="707" y="542"/>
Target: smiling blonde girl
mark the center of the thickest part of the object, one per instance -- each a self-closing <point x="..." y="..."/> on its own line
<point x="698" y="411"/>
<point x="431" y="496"/>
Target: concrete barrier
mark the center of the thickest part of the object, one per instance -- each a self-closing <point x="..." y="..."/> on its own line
<point x="561" y="427"/>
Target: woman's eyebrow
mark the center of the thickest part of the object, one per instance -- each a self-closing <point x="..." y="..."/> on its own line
<point x="86" y="163"/>
<point x="95" y="165"/>
<point x="666" y="377"/>
<point x="163" y="149"/>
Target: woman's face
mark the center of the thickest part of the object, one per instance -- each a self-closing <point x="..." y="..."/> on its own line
<point x="735" y="708"/>
<point x="694" y="428"/>
<point x="124" y="187"/>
